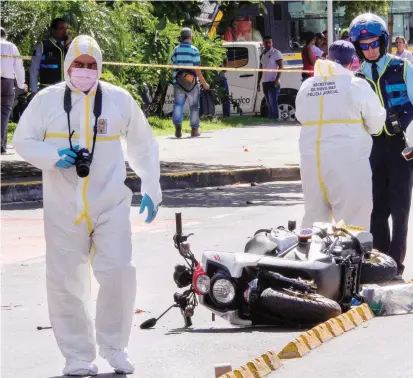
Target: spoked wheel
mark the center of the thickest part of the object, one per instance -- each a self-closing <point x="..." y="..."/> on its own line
<point x="286" y="108"/>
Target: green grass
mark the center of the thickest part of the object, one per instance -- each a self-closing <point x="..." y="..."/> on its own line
<point x="164" y="126"/>
<point x="10" y="131"/>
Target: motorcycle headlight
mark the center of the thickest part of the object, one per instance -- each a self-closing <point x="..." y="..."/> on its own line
<point x="223" y="291"/>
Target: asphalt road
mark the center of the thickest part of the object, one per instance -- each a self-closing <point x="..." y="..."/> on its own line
<point x="221" y="220"/>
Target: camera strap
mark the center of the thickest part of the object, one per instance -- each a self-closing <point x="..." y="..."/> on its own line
<point x="97" y="111"/>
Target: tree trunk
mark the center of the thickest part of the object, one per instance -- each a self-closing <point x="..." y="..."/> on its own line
<point x="391" y="22"/>
<point x="155" y="108"/>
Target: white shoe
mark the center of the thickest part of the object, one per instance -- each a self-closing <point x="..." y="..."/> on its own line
<point x="80" y="369"/>
<point x="118" y="359"/>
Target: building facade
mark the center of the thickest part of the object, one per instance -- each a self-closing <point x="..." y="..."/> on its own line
<point x="288" y="22"/>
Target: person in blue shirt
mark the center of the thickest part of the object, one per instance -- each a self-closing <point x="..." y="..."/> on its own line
<point x="392" y="80"/>
<point x="186" y="83"/>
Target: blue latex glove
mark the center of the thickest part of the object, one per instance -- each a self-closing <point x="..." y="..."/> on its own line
<point x="148" y="204"/>
<point x="68" y="157"/>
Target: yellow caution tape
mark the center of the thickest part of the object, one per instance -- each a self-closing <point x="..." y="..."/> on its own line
<point x="168" y="66"/>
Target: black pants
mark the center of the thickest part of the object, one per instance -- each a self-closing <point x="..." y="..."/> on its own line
<point x="7" y="99"/>
<point x="392" y="194"/>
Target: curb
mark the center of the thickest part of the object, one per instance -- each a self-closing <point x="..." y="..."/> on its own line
<point x="303" y="344"/>
<point x="32" y="190"/>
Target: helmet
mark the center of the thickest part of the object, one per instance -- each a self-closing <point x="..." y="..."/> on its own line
<point x="367" y="26"/>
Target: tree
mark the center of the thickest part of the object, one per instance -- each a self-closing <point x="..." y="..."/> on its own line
<point x="181" y="13"/>
<point x="27" y="22"/>
<point x="130" y="32"/>
<point x="354" y="8"/>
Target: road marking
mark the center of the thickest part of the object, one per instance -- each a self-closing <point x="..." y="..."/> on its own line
<point x="221" y="216"/>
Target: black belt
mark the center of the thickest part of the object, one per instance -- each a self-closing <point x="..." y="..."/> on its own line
<point x="6" y="78"/>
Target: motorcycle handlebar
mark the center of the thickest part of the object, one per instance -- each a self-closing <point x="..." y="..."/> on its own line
<point x="178" y="223"/>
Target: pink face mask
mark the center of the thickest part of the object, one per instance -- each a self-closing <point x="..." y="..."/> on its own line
<point x="83" y="78"/>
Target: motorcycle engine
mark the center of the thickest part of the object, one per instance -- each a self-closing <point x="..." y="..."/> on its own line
<point x="347" y="246"/>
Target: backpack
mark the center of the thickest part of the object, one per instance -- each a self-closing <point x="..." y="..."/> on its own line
<point x="206" y="103"/>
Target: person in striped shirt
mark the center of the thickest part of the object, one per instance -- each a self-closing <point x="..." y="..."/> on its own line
<point x="185" y="54"/>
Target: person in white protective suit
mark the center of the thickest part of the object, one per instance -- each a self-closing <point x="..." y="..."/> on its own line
<point x="338" y="111"/>
<point x="87" y="218"/>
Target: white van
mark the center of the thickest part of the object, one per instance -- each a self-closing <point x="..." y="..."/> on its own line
<point x="243" y="85"/>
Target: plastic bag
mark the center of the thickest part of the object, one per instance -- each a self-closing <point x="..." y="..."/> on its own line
<point x="389" y="300"/>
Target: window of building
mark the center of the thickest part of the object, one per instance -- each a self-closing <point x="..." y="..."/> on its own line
<point x="237" y="56"/>
<point x="401" y="26"/>
<point x="309" y="16"/>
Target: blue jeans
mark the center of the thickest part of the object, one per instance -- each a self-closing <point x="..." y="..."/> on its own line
<point x="271" y="94"/>
<point x="226" y="105"/>
<point x="179" y="103"/>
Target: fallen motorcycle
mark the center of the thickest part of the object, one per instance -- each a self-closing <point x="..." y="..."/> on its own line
<point x="282" y="278"/>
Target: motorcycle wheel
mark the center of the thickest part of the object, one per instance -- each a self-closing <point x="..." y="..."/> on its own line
<point x="311" y="309"/>
<point x="378" y="267"/>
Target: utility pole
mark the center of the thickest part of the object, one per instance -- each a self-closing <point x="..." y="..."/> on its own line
<point x="330" y="22"/>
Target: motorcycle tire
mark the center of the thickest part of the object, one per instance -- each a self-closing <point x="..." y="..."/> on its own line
<point x="377" y="268"/>
<point x="298" y="309"/>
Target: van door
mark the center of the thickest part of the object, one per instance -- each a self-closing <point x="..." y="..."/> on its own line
<point x="242" y="85"/>
<point x="169" y="101"/>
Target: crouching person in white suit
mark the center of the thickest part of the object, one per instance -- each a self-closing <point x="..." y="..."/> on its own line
<point x="87" y="205"/>
<point x="338" y="112"/>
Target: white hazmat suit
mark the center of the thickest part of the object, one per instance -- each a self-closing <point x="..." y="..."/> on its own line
<point x="338" y="112"/>
<point x="87" y="219"/>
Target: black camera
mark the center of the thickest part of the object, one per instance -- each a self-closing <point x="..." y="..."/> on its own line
<point x="393" y="121"/>
<point x="82" y="162"/>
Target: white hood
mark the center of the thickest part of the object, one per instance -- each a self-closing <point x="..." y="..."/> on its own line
<point x="83" y="44"/>
<point x="329" y="68"/>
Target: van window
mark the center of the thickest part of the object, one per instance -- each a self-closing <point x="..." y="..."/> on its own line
<point x="237" y="56"/>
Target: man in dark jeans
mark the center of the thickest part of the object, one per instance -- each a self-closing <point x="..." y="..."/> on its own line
<point x="223" y="84"/>
<point x="270" y="59"/>
<point x="11" y="68"/>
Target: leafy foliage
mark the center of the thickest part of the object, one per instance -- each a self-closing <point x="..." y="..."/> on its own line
<point x="176" y="12"/>
<point x="27" y="22"/>
<point x="134" y="32"/>
<point x="354" y="8"/>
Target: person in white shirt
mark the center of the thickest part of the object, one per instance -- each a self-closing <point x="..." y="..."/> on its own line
<point x="270" y="59"/>
<point x="402" y="51"/>
<point x="11" y="68"/>
<point x="317" y="47"/>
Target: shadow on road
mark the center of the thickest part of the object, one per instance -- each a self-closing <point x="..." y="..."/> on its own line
<point x="104" y="375"/>
<point x="274" y="194"/>
<point x="270" y="194"/>
<point x="265" y="329"/>
<point x="16" y="170"/>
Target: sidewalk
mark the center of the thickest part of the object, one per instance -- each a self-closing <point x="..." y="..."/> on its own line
<point x="255" y="153"/>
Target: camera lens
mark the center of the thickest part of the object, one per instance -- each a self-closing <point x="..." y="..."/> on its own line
<point x="82" y="169"/>
<point x="83" y="161"/>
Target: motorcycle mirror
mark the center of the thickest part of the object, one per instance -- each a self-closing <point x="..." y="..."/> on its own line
<point x="148" y="323"/>
<point x="152" y="321"/>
